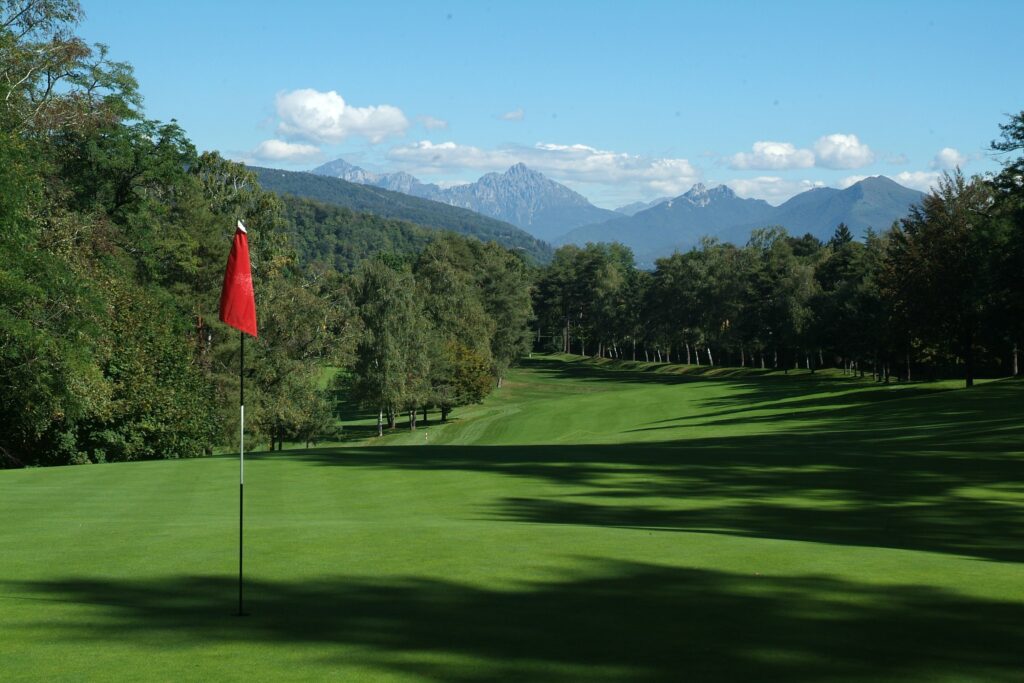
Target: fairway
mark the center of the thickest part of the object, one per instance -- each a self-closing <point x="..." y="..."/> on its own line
<point x="588" y="522"/>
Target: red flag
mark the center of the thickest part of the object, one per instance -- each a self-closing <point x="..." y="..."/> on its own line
<point x="237" y="302"/>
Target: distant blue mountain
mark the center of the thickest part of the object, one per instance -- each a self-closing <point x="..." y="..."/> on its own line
<point x="520" y="196"/>
<point x="637" y="207"/>
<point x="680" y="223"/>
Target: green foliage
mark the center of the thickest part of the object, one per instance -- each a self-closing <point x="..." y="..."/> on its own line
<point x="113" y="243"/>
<point x="340" y="238"/>
<point x="944" y="262"/>
<point x="391" y="371"/>
<point x="397" y="206"/>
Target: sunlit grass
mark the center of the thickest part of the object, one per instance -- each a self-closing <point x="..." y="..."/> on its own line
<point x="589" y="521"/>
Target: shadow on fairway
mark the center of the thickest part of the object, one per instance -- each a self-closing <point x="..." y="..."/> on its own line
<point x="945" y="475"/>
<point x="617" y="621"/>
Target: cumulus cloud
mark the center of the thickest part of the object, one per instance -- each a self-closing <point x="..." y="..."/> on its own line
<point x="325" y="117"/>
<point x="279" y="150"/>
<point x="579" y="163"/>
<point x="431" y="123"/>
<point x="948" y="158"/>
<point x="842" y="151"/>
<point x="919" y="180"/>
<point x="772" y="189"/>
<point x="773" y="155"/>
<point x="514" y="115"/>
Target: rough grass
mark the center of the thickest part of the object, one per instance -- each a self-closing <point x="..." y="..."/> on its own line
<point x="588" y="522"/>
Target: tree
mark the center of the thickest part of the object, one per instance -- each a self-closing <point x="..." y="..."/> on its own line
<point x="504" y="281"/>
<point x="1008" y="194"/>
<point x="392" y="366"/>
<point x="943" y="265"/>
<point x="461" y="329"/>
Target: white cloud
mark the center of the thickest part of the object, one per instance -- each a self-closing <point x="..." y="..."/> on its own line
<point x="573" y="163"/>
<point x="919" y="180"/>
<point x="850" y="180"/>
<point x="431" y="123"/>
<point x="514" y="115"/>
<point x="948" y="158"/>
<point x="773" y="155"/>
<point x="772" y="189"/>
<point x="842" y="151"/>
<point x="279" y="150"/>
<point x="326" y="117"/>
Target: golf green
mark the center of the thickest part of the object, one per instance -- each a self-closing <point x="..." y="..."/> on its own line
<point x="589" y="522"/>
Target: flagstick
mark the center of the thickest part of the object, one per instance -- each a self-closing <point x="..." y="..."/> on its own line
<point x="241" y="463"/>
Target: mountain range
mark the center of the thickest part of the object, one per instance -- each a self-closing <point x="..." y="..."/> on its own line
<point x="547" y="210"/>
<point x="551" y="211"/>
<point x="398" y="205"/>
<point x="520" y="196"/>
<point x="681" y="222"/>
<point x="637" y="207"/>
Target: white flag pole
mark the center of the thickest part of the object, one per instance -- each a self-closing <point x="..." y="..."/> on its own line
<point x="241" y="465"/>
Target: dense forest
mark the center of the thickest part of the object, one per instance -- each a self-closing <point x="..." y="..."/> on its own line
<point x="395" y="205"/>
<point x="114" y="232"/>
<point x="939" y="293"/>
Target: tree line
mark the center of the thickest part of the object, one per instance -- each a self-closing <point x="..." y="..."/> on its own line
<point x="114" y="232"/>
<point x="939" y="292"/>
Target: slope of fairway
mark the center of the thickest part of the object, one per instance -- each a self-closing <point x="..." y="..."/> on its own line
<point x="628" y="522"/>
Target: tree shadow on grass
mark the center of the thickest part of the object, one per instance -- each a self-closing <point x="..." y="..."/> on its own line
<point x="943" y="475"/>
<point x="611" y="621"/>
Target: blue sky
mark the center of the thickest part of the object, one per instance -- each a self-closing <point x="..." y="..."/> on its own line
<point x="620" y="101"/>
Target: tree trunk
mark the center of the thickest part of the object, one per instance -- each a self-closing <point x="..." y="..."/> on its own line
<point x="380" y="422"/>
<point x="391" y="418"/>
<point x="743" y="357"/>
<point x="647" y="358"/>
<point x="412" y="419"/>
<point x="696" y="355"/>
<point x="908" y="366"/>
<point x="969" y="360"/>
<point x="499" y="381"/>
<point x="444" y="413"/>
<point x="634" y="349"/>
<point x="1016" y="364"/>
<point x="687" y="353"/>
<point x="424" y="415"/>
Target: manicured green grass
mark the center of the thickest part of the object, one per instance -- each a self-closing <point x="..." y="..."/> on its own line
<point x="588" y="522"/>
